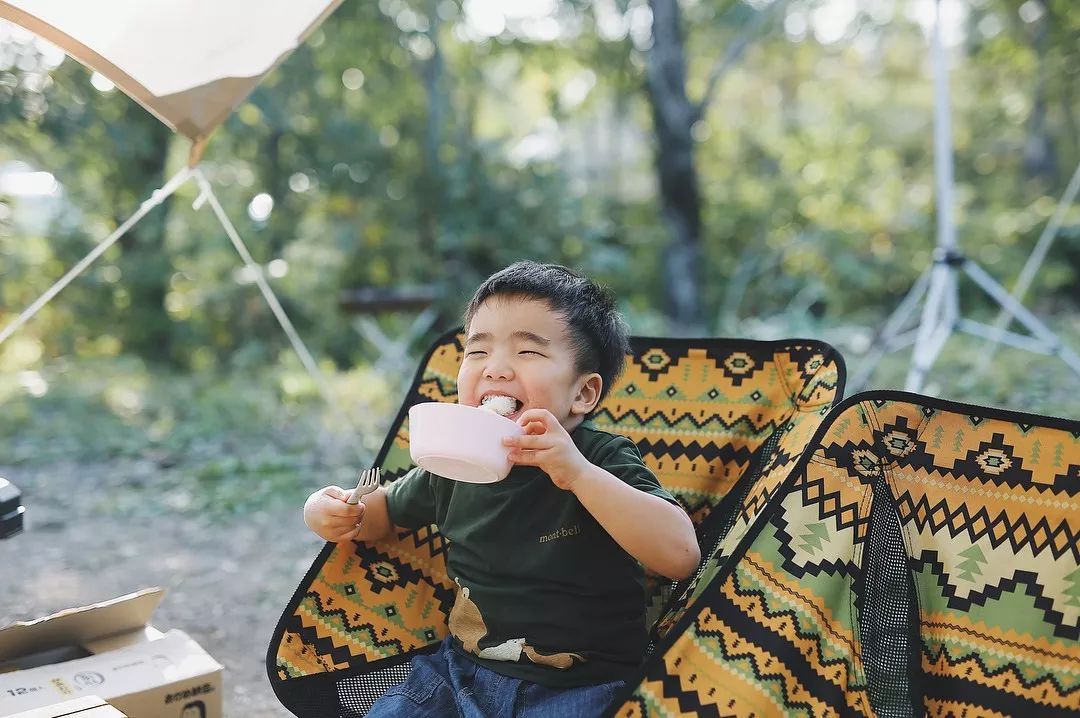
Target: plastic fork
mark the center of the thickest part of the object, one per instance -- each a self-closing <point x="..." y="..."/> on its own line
<point x="369" y="481"/>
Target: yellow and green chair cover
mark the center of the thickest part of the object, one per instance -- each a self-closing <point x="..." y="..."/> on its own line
<point x="721" y="422"/>
<point x="922" y="559"/>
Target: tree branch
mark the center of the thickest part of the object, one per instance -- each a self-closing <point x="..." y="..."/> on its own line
<point x="734" y="53"/>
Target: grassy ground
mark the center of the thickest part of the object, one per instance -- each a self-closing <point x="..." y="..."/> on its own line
<point x="1013" y="379"/>
<point x="133" y="478"/>
<point x="228" y="444"/>
<point x="223" y="444"/>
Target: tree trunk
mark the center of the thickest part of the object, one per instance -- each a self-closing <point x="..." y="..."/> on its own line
<point x="674" y="116"/>
<point x="1039" y="157"/>
<point x="433" y="72"/>
<point x="146" y="328"/>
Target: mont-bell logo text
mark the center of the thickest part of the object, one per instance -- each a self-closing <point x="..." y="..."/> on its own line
<point x="561" y="533"/>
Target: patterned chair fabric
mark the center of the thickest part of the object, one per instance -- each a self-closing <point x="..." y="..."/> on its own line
<point x="922" y="558"/>
<point x="707" y="414"/>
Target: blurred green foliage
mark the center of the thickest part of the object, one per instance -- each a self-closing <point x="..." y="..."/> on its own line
<point x="409" y="143"/>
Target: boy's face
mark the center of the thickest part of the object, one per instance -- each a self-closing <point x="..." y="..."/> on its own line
<point x="521" y="348"/>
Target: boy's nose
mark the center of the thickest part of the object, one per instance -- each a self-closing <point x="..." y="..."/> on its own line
<point x="498" y="370"/>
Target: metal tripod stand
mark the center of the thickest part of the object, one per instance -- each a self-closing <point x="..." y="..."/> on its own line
<point x="938" y="286"/>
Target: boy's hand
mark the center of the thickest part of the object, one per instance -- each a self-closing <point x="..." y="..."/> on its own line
<point x="327" y="514"/>
<point x="547" y="444"/>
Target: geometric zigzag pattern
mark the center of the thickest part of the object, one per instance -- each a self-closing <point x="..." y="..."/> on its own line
<point x="701" y="411"/>
<point x="921" y="559"/>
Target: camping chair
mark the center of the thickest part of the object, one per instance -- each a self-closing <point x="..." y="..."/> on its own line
<point x="923" y="558"/>
<point x="720" y="421"/>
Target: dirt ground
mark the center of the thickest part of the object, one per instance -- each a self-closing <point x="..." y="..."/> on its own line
<point x="227" y="579"/>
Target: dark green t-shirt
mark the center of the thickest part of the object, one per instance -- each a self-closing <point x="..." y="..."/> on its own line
<point x="545" y="594"/>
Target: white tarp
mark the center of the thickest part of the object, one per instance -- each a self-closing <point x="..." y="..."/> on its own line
<point x="190" y="62"/>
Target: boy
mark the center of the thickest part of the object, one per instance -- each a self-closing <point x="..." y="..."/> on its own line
<point x="549" y="615"/>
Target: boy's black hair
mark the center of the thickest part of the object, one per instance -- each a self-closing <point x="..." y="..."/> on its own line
<point x="598" y="334"/>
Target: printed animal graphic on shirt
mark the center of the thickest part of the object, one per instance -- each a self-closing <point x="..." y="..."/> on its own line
<point x="467" y="625"/>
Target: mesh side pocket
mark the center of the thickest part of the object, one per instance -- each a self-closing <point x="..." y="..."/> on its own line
<point x="889" y="615"/>
<point x="357" y="694"/>
<point x="310" y="697"/>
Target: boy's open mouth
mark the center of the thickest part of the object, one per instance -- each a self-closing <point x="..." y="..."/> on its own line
<point x="501" y="404"/>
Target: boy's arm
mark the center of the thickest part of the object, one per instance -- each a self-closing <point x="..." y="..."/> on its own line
<point x="656" y="532"/>
<point x="332" y="519"/>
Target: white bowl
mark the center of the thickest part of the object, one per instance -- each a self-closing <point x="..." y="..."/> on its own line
<point x="460" y="442"/>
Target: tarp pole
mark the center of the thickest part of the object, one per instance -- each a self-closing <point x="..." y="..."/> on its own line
<point x="935" y="325"/>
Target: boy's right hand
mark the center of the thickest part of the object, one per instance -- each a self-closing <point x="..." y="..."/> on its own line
<point x="330" y="517"/>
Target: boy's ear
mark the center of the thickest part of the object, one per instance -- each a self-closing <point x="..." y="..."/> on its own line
<point x="588" y="394"/>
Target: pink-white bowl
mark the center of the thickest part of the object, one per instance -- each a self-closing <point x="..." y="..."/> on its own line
<point x="460" y="442"/>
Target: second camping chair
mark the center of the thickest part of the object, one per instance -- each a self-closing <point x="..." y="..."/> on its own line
<point x="922" y="558"/>
<point x="721" y="423"/>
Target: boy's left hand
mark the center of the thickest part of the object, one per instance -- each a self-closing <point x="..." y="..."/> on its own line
<point x="547" y="444"/>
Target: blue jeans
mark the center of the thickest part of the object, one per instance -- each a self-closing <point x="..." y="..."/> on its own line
<point x="444" y="684"/>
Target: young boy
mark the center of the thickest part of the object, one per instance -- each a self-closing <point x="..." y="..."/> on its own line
<point x="549" y="615"/>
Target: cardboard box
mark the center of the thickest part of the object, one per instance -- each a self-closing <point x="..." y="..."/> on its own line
<point x="108" y="650"/>
<point x="88" y="707"/>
